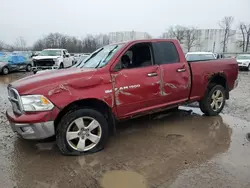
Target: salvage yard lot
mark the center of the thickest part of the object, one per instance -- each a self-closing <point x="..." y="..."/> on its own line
<point x="178" y="149"/>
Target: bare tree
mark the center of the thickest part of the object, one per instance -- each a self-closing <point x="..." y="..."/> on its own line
<point x="247" y="30"/>
<point x="226" y="24"/>
<point x="2" y="45"/>
<point x="245" y="34"/>
<point x="20" y="44"/>
<point x="243" y="41"/>
<point x="177" y="32"/>
<point x="191" y="38"/>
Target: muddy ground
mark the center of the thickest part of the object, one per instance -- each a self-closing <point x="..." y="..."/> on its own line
<point x="181" y="149"/>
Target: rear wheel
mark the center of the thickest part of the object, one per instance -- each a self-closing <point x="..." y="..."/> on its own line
<point x="81" y="132"/>
<point x="214" y="100"/>
<point x="5" y="71"/>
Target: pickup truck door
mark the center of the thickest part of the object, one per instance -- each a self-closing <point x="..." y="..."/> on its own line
<point x="175" y="73"/>
<point x="136" y="89"/>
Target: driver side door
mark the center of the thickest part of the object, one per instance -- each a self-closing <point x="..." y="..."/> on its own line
<point x="136" y="89"/>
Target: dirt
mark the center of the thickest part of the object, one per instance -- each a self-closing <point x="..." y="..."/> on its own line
<point x="178" y="149"/>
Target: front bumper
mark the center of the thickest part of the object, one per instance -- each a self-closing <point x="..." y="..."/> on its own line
<point x="38" y="125"/>
<point x="34" y="131"/>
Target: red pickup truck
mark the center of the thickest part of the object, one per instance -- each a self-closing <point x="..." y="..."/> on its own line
<point x="82" y="104"/>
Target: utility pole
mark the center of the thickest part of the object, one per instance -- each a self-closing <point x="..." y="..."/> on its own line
<point x="213" y="47"/>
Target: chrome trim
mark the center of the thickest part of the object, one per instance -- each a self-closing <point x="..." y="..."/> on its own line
<point x="39" y="130"/>
<point x="15" y="98"/>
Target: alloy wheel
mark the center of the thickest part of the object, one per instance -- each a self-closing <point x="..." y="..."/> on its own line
<point x="84" y="133"/>
<point x="217" y="100"/>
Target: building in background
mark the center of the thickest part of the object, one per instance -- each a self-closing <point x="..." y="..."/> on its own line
<point x="211" y="40"/>
<point x="127" y="35"/>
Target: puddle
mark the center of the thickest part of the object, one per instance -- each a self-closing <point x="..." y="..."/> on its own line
<point x="122" y="179"/>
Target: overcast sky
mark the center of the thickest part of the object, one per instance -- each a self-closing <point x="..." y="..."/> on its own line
<point x="32" y="19"/>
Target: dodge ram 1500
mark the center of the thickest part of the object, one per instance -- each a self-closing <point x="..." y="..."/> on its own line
<point x="80" y="105"/>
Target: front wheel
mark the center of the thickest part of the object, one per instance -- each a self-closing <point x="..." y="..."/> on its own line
<point x="28" y="68"/>
<point x="61" y="66"/>
<point x="81" y="132"/>
<point x="214" y="100"/>
<point x="248" y="68"/>
<point x="5" y="71"/>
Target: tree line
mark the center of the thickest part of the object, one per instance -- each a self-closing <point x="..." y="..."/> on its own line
<point x="188" y="36"/>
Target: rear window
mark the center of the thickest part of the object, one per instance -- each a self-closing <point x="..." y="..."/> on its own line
<point x="199" y="57"/>
<point x="165" y="53"/>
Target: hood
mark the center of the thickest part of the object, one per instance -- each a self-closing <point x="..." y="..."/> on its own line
<point x="2" y="64"/>
<point x="29" y="84"/>
<point x="45" y="57"/>
<point x="243" y="60"/>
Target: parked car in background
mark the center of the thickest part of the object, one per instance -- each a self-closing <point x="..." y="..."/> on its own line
<point x="80" y="105"/>
<point x="52" y="58"/>
<point x="243" y="61"/>
<point x="200" y="56"/>
<point x="2" y="53"/>
<point x="12" y="63"/>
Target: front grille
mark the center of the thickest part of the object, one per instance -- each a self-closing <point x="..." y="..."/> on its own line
<point x="44" y="62"/>
<point x="15" y="100"/>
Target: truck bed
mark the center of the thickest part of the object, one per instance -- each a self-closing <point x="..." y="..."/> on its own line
<point x="204" y="70"/>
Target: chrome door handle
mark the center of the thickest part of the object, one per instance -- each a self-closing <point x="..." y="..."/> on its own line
<point x="152" y="74"/>
<point x="181" y="70"/>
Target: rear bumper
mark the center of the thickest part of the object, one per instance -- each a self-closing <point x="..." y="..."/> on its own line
<point x="38" y="125"/>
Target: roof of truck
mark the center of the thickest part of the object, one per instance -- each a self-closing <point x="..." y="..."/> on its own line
<point x="54" y="49"/>
<point x="143" y="40"/>
<point x="200" y="53"/>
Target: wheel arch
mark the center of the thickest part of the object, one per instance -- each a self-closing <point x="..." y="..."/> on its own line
<point x="92" y="103"/>
<point x="219" y="79"/>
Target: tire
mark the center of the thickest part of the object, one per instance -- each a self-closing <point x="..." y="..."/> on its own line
<point x="28" y="68"/>
<point x="210" y="106"/>
<point x="5" y="71"/>
<point x="248" y="68"/>
<point x="61" y="66"/>
<point x="70" y="146"/>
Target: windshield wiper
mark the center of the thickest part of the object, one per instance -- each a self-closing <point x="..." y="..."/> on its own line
<point x="103" y="59"/>
<point x="88" y="58"/>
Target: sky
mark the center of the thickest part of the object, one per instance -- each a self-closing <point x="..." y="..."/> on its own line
<point x="33" y="19"/>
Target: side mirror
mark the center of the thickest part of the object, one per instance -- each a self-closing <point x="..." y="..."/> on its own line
<point x="67" y="55"/>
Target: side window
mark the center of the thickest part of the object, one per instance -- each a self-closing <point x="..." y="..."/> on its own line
<point x="165" y="53"/>
<point x="139" y="55"/>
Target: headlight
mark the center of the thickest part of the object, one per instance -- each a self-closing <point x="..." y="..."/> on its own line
<point x="33" y="103"/>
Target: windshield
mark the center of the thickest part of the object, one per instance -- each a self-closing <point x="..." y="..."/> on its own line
<point x="199" y="57"/>
<point x="243" y="57"/>
<point x="4" y="58"/>
<point x="100" y="57"/>
<point x="50" y="53"/>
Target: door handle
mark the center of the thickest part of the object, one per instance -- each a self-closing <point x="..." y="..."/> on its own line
<point x="181" y="70"/>
<point x="152" y="74"/>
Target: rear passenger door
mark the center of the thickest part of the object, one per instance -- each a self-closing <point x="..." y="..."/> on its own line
<point x="175" y="75"/>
